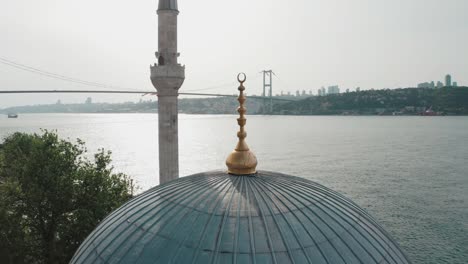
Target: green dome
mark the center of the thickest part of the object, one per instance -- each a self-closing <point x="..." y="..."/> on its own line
<point x="215" y="217"/>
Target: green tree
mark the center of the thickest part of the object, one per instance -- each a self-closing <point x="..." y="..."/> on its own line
<point x="52" y="196"/>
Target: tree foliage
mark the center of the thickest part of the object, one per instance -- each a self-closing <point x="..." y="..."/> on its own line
<point x="52" y="196"/>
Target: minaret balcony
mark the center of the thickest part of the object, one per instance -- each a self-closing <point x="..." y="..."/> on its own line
<point x="167" y="79"/>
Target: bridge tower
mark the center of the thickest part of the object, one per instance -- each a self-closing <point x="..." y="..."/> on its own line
<point x="167" y="77"/>
<point x="267" y="83"/>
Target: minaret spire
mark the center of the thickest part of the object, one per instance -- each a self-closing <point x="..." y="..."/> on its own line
<point x="168" y="5"/>
<point x="167" y="77"/>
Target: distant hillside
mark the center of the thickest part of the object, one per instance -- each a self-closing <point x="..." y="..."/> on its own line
<point x="128" y="107"/>
<point x="219" y="105"/>
<point x="410" y="101"/>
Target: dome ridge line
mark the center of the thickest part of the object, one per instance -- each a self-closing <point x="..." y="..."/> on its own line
<point x="324" y="192"/>
<point x="338" y="202"/>
<point x="174" y="205"/>
<point x="250" y="227"/>
<point x="294" y="212"/>
<point x="275" y="216"/>
<point x="321" y="231"/>
<point x="309" y="224"/>
<point x="224" y="220"/>
<point x="215" y="183"/>
<point x="222" y="184"/>
<point x="235" y="244"/>
<point x="357" y="223"/>
<point x="204" y="233"/>
<point x="182" y="244"/>
<point x="265" y="225"/>
<point x="120" y="213"/>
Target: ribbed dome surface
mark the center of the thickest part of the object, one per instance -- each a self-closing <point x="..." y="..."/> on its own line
<point x="218" y="218"/>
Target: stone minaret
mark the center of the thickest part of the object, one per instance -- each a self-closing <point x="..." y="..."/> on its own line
<point x="167" y="77"/>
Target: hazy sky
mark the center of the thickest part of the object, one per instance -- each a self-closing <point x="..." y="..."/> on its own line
<point x="308" y="43"/>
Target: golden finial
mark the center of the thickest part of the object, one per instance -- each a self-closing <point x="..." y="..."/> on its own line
<point x="241" y="161"/>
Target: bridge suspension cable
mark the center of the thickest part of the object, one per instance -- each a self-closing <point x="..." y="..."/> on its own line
<point x="124" y="92"/>
<point x="34" y="70"/>
<point x="113" y="88"/>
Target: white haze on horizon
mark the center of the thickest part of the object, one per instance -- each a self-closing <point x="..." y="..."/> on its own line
<point x="308" y="43"/>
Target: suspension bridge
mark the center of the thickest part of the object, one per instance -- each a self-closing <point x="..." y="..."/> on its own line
<point x="128" y="92"/>
<point x="111" y="89"/>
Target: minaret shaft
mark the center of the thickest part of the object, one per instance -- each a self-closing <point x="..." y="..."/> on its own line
<point x="167" y="41"/>
<point x="168" y="139"/>
<point x="167" y="77"/>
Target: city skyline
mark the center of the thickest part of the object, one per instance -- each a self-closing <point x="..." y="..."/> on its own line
<point x="367" y="44"/>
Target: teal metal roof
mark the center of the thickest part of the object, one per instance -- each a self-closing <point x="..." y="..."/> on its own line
<point x="218" y="218"/>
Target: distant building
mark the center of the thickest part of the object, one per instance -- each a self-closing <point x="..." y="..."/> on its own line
<point x="298" y="93"/>
<point x="322" y="92"/>
<point x="89" y="100"/>
<point x="303" y="93"/>
<point x="429" y="85"/>
<point x="333" y="89"/>
<point x="347" y="90"/>
<point x="423" y="85"/>
<point x="310" y="92"/>
<point x="440" y="84"/>
<point x="358" y="89"/>
<point x="455" y="84"/>
<point x="448" y="80"/>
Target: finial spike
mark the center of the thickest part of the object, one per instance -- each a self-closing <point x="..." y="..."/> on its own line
<point x="241" y="161"/>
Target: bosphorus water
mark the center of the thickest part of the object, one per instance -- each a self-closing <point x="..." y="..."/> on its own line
<point x="410" y="173"/>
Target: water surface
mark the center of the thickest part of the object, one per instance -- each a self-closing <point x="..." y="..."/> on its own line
<point x="410" y="173"/>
